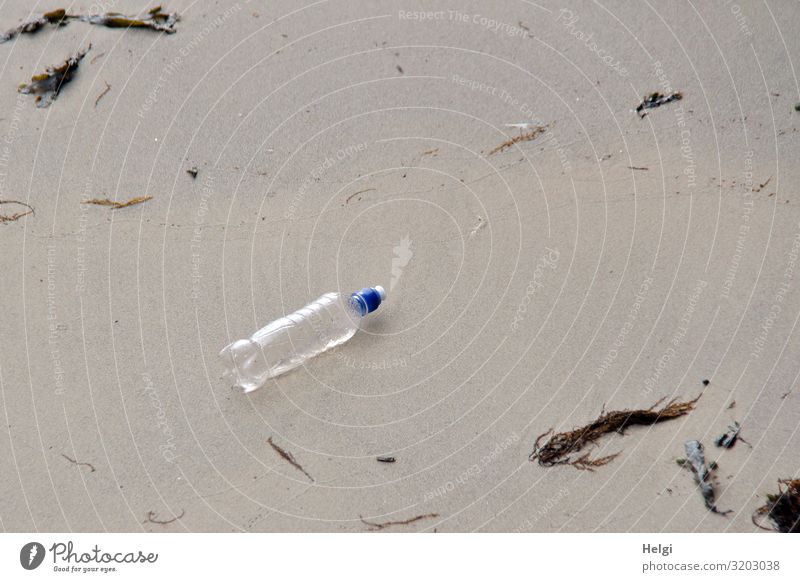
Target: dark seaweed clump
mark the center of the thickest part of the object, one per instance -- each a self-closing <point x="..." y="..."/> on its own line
<point x="782" y="509"/>
<point x="47" y="86"/>
<point x="155" y="19"/>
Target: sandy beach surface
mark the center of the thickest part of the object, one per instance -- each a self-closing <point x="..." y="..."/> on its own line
<point x="607" y="263"/>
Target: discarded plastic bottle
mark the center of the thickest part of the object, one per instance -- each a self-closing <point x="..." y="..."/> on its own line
<point x="289" y="341"/>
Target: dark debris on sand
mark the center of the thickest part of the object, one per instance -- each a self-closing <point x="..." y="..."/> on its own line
<point x="47" y="86"/>
<point x="703" y="474"/>
<point x="729" y="438"/>
<point x="783" y="508"/>
<point x="656" y="100"/>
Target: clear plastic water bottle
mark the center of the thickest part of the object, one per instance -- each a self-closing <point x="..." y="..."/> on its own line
<point x="289" y="341"/>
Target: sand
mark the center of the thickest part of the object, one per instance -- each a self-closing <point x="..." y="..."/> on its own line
<point x="339" y="145"/>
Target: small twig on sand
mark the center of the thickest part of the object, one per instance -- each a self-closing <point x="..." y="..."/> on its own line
<point x="78" y="463"/>
<point x="151" y="518"/>
<point x="376" y="526"/>
<point x="287" y="456"/>
<point x="347" y="200"/>
<point x="103" y="94"/>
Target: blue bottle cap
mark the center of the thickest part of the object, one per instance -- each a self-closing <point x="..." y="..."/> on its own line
<point x="368" y="299"/>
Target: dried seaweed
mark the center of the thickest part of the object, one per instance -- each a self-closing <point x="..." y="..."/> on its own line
<point x="117" y="205"/>
<point x="17" y="215"/>
<point x="151" y="518"/>
<point x="55" y="17"/>
<point x="47" y="86"/>
<point x="656" y="100"/>
<point x="531" y="135"/>
<point x="289" y="457"/>
<point x="782" y="509"/>
<point x="585" y="463"/>
<point x="383" y="525"/>
<point x="696" y="461"/>
<point x="559" y="447"/>
<point x="154" y="20"/>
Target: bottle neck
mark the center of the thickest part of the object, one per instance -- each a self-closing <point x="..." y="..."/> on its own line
<point x="367" y="299"/>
